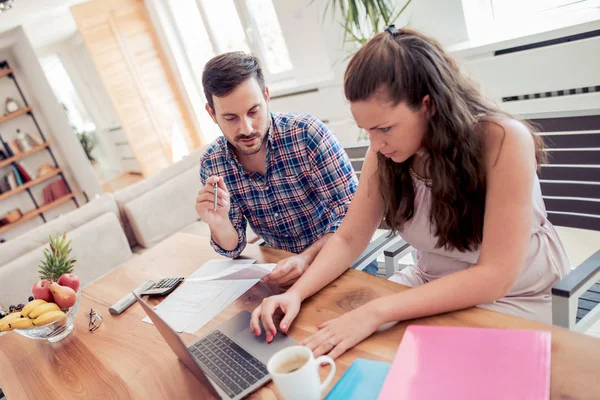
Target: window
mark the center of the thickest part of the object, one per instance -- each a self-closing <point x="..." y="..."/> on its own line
<point x="225" y="25"/>
<point x="192" y="33"/>
<point x="197" y="30"/>
<point x="65" y="92"/>
<point x="270" y="37"/>
<point x="209" y="27"/>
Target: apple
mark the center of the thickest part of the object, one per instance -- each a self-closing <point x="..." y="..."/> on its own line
<point x="41" y="290"/>
<point x="69" y="280"/>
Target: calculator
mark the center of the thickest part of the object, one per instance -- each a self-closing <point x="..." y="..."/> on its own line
<point x="163" y="287"/>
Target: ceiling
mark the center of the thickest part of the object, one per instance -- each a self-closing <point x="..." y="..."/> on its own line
<point x="45" y="21"/>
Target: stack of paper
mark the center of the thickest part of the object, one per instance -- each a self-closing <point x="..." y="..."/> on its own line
<point x="208" y="291"/>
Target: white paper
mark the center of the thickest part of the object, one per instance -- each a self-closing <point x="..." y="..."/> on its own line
<point x="198" y="300"/>
<point x="253" y="271"/>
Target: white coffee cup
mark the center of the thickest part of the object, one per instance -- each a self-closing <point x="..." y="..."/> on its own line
<point x="295" y="372"/>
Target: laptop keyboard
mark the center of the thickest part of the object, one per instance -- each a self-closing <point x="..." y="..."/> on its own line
<point x="227" y="364"/>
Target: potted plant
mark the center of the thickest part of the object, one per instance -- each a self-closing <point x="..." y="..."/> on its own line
<point x="88" y="142"/>
<point x="362" y="19"/>
<point x="87" y="138"/>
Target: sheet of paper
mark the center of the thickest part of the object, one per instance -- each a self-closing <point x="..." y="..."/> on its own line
<point x="215" y="266"/>
<point x="252" y="271"/>
<point x="195" y="302"/>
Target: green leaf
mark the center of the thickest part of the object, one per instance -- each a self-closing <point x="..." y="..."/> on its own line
<point x="395" y="17"/>
<point x="363" y="18"/>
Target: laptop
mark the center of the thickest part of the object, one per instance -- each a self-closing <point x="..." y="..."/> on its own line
<point x="230" y="361"/>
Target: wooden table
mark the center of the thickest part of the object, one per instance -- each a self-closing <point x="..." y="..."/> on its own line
<point x="127" y="358"/>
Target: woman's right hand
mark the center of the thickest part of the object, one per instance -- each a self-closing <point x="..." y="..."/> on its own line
<point x="288" y="302"/>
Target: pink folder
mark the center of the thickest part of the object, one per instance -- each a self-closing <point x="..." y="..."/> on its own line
<point x="434" y="363"/>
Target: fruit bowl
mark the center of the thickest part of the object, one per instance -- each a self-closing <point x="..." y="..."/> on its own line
<point x="54" y="331"/>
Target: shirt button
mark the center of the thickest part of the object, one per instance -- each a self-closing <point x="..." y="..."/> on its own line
<point x="276" y="214"/>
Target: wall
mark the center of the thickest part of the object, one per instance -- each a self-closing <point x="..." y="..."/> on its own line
<point x="570" y="65"/>
<point x="316" y="37"/>
<point x="303" y="30"/>
<point x="441" y="19"/>
<point x="444" y="20"/>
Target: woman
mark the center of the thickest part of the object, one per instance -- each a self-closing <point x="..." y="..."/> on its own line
<point x="456" y="177"/>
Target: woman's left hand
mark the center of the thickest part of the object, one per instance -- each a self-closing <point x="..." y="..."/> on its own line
<point x="336" y="336"/>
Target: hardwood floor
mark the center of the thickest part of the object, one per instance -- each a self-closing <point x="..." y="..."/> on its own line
<point x="121" y="182"/>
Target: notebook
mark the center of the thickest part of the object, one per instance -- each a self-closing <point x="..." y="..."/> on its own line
<point x="362" y="381"/>
<point x="468" y="363"/>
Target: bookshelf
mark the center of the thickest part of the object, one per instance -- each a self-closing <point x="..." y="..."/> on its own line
<point x="5" y="71"/>
<point x="37" y="211"/>
<point x="10" y="163"/>
<point x="15" y="114"/>
<point x="29" y="184"/>
<point x="21" y="156"/>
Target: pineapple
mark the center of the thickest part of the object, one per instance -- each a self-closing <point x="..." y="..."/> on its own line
<point x="57" y="260"/>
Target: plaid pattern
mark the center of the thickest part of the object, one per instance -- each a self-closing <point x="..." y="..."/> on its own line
<point x="305" y="193"/>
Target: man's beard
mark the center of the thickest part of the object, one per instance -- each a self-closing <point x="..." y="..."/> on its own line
<point x="248" y="151"/>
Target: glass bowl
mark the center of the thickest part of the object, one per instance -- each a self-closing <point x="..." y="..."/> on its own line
<point x="54" y="331"/>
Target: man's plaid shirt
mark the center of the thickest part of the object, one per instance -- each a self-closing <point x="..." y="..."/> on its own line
<point x="305" y="193"/>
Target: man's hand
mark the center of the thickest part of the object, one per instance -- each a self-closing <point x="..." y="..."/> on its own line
<point x="287" y="271"/>
<point x="205" y="202"/>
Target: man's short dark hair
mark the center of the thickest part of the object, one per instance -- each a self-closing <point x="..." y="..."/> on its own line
<point x="223" y="73"/>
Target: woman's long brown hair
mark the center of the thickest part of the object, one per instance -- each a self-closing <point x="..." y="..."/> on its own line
<point x="406" y="68"/>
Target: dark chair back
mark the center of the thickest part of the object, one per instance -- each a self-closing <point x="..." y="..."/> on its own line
<point x="571" y="180"/>
<point x="357" y="154"/>
<point x="571" y="189"/>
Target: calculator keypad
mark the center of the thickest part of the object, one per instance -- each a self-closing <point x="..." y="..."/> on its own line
<point x="167" y="282"/>
<point x="163" y="287"/>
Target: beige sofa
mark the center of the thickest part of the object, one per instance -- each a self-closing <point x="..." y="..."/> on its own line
<point x="110" y="229"/>
<point x="157" y="207"/>
<point x="94" y="257"/>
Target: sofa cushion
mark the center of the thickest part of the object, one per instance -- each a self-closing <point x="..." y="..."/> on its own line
<point x="130" y="193"/>
<point x="198" y="228"/>
<point x="99" y="246"/>
<point x="37" y="237"/>
<point x="191" y="161"/>
<point x="165" y="209"/>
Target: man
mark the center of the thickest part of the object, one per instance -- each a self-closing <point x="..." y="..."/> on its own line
<point x="285" y="174"/>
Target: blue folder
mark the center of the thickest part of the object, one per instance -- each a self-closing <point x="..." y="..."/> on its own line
<point x="362" y="381"/>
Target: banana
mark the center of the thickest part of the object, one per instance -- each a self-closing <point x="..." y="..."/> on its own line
<point x="31" y="305"/>
<point x="4" y="322"/>
<point x="48" y="317"/>
<point x="21" y="323"/>
<point x="42" y="309"/>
